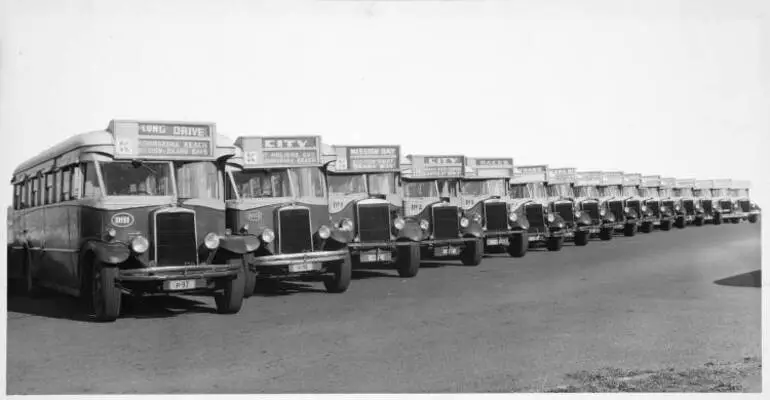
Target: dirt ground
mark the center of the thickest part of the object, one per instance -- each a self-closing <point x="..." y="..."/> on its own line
<point x="678" y="299"/>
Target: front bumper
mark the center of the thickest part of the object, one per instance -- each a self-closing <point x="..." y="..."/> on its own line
<point x="391" y="245"/>
<point x="167" y="273"/>
<point x="279" y="260"/>
<point x="446" y="242"/>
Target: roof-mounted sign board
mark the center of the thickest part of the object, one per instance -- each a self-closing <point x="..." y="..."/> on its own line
<point x="561" y="175"/>
<point x="367" y="158"/>
<point x="164" y="140"/>
<point x="280" y="151"/>
<point x="612" y="177"/>
<point x="723" y="183"/>
<point x="431" y="166"/>
<point x="667" y="182"/>
<point x="650" y="181"/>
<point x="741" y="184"/>
<point x="685" y="183"/>
<point x="704" y="184"/>
<point x="632" y="179"/>
<point x="530" y="174"/>
<point x="489" y="167"/>
<point x="588" y="178"/>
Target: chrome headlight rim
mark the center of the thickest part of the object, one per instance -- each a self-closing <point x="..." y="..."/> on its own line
<point x="512" y="216"/>
<point x="267" y="236"/>
<point x="324" y="232"/>
<point x="211" y="240"/>
<point x="424" y="224"/>
<point x="346" y="225"/>
<point x="550" y="217"/>
<point x="399" y="223"/>
<point x="139" y="244"/>
<point x="464" y="222"/>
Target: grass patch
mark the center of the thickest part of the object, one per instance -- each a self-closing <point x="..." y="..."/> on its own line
<point x="711" y="377"/>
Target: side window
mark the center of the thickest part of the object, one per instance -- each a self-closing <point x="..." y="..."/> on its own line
<point x="17" y="190"/>
<point x="65" y="184"/>
<point x="33" y="192"/>
<point x="49" y="189"/>
<point x="90" y="181"/>
<point x="25" y="194"/>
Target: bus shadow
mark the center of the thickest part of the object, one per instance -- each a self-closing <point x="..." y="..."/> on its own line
<point x="748" y="279"/>
<point x="58" y="306"/>
<point x="273" y="288"/>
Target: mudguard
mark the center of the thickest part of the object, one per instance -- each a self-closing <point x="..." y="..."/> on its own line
<point x="474" y="229"/>
<point x="109" y="252"/>
<point x="340" y="236"/>
<point x="520" y="223"/>
<point x="240" y="244"/>
<point x="585" y="220"/>
<point x="557" y="219"/>
<point x="411" y="232"/>
<point x="609" y="217"/>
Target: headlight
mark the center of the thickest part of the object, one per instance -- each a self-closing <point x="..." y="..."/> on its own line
<point x="551" y="218"/>
<point x="663" y="208"/>
<point x="513" y="216"/>
<point x="111" y="233"/>
<point x="139" y="244"/>
<point x="578" y="214"/>
<point x="399" y="223"/>
<point x="244" y="229"/>
<point x="644" y="208"/>
<point x="464" y="222"/>
<point x="346" y="225"/>
<point x="268" y="235"/>
<point x="424" y="225"/>
<point x="211" y="241"/>
<point x="626" y="210"/>
<point x="324" y="232"/>
<point x="602" y="212"/>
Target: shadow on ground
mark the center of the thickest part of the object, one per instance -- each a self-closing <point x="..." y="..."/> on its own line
<point x="749" y="279"/>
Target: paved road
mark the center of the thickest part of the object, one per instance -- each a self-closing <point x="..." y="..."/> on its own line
<point x="676" y="298"/>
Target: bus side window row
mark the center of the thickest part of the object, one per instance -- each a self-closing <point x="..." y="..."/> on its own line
<point x="64" y="184"/>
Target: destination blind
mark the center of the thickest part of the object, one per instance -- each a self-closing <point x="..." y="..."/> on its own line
<point x="443" y="166"/>
<point x="163" y="140"/>
<point x="373" y="158"/>
<point x="282" y="151"/>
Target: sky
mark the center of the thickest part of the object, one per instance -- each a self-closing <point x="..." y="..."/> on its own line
<point x="677" y="88"/>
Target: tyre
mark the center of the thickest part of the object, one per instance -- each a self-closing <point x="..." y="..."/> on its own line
<point x="718" y="219"/>
<point x="250" y="281"/>
<point x="555" y="243"/>
<point x="25" y="285"/>
<point x="735" y="220"/>
<point x="646" y="227"/>
<point x="754" y="218"/>
<point x="518" y="246"/>
<point x="606" y="233"/>
<point x="105" y="294"/>
<point x="231" y="298"/>
<point x="473" y="252"/>
<point x="339" y="279"/>
<point x="666" y="225"/>
<point x="629" y="230"/>
<point x="699" y="221"/>
<point x="680" y="223"/>
<point x="581" y="238"/>
<point x="408" y="260"/>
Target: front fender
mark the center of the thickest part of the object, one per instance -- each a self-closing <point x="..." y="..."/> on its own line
<point x="240" y="244"/>
<point x="109" y="252"/>
<point x="340" y="236"/>
<point x="411" y="232"/>
<point x="474" y="229"/>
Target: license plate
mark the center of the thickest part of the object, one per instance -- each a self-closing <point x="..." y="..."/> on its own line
<point x="180" y="285"/>
<point x="497" y="242"/>
<point x="535" y="238"/>
<point x="375" y="256"/>
<point x="446" y="251"/>
<point x="305" y="267"/>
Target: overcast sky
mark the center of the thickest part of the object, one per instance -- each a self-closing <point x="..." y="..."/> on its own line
<point x="657" y="87"/>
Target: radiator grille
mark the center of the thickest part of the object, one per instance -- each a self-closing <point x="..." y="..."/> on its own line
<point x="745" y="205"/>
<point x="592" y="208"/>
<point x="654" y="206"/>
<point x="175" y="239"/>
<point x="445" y="222"/>
<point x="374" y="222"/>
<point x="725" y="205"/>
<point x="635" y="205"/>
<point x="689" y="206"/>
<point x="535" y="217"/>
<point x="496" y="216"/>
<point x="294" y="233"/>
<point x="616" y="207"/>
<point x="566" y="212"/>
<point x="707" y="206"/>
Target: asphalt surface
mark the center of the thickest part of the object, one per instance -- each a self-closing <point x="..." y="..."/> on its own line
<point x="678" y="298"/>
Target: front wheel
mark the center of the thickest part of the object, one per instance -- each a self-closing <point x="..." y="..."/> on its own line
<point x="754" y="218"/>
<point x="581" y="238"/>
<point x="518" y="246"/>
<point x="718" y="219"/>
<point x="555" y="243"/>
<point x="105" y="294"/>
<point x="629" y="230"/>
<point x="231" y="298"/>
<point x="339" y="280"/>
<point x="646" y="227"/>
<point x="606" y="233"/>
<point x="249" y="283"/>
<point x="473" y="253"/>
<point x="666" y="225"/>
<point x="736" y="220"/>
<point x="408" y="261"/>
<point x="680" y="223"/>
<point x="699" y="221"/>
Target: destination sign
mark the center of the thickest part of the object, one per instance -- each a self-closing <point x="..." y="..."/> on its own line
<point x="651" y="181"/>
<point x="280" y="150"/>
<point x="163" y="140"/>
<point x="494" y="162"/>
<point x="373" y="158"/>
<point x="668" y="182"/>
<point x="531" y="169"/>
<point x="437" y="166"/>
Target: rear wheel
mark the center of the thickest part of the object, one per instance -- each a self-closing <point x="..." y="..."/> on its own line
<point x="606" y="233"/>
<point x="518" y="246"/>
<point x="473" y="253"/>
<point x="555" y="243"/>
<point x="581" y="238"/>
<point x="339" y="280"/>
<point x="105" y="294"/>
<point x="231" y="298"/>
<point x="665" y="225"/>
<point x="408" y="260"/>
<point x="629" y="230"/>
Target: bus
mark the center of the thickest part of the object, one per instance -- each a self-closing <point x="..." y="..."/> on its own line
<point x="137" y="208"/>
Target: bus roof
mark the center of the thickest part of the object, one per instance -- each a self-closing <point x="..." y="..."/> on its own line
<point x="70" y="150"/>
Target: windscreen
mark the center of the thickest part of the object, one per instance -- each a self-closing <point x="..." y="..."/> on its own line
<point x="308" y="182"/>
<point x="587" y="191"/>
<point x="347" y="184"/>
<point x="137" y="179"/>
<point x="613" y="190"/>
<point x="258" y="184"/>
<point x="198" y="180"/>
<point x="427" y="188"/>
<point x="719" y="192"/>
<point x="650" y="192"/>
<point x="491" y="187"/>
<point x="630" y="191"/>
<point x="683" y="192"/>
<point x="448" y="187"/>
<point x="666" y="192"/>
<point x="561" y="190"/>
<point x="382" y="183"/>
